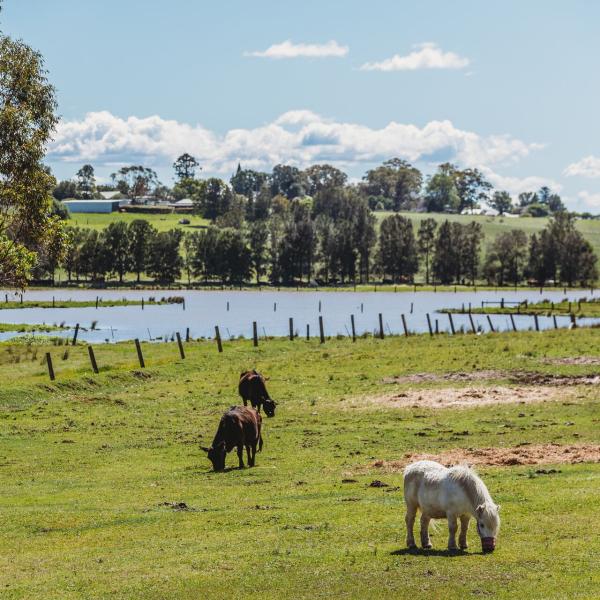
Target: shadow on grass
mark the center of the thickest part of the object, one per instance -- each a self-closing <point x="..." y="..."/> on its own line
<point x="431" y="552"/>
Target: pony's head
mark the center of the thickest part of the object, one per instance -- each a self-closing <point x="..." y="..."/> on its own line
<point x="488" y="525"/>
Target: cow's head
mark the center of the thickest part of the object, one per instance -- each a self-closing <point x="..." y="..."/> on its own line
<point x="269" y="406"/>
<point x="216" y="456"/>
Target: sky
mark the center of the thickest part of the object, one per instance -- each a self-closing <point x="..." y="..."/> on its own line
<point x="509" y="87"/>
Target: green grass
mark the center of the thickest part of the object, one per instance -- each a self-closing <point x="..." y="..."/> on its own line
<point x="88" y="462"/>
<point x="583" y="308"/>
<point x="82" y="303"/>
<point x="161" y="222"/>
<point x="24" y="327"/>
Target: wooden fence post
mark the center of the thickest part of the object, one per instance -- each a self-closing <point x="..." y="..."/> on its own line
<point x="96" y="302"/>
<point x="50" y="368"/>
<point x="404" y="325"/>
<point x="489" y="320"/>
<point x="75" y="335"/>
<point x="142" y="303"/>
<point x="472" y="323"/>
<point x="187" y="334"/>
<point x="381" y="333"/>
<point x="451" y="323"/>
<point x="307" y="332"/>
<point x="319" y="306"/>
<point x="537" y="323"/>
<point x="254" y="334"/>
<point x="291" y="323"/>
<point x="218" y="338"/>
<point x="93" y="359"/>
<point x="429" y="325"/>
<point x="181" y="352"/>
<point x="512" y="320"/>
<point x="139" y="353"/>
<point x="573" y="321"/>
<point x="353" y="328"/>
<point x="321" y="331"/>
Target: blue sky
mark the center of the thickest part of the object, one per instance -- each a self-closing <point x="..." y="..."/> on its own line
<point x="510" y="87"/>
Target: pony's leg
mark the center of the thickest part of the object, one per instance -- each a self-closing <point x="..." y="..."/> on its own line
<point x="411" y="513"/>
<point x="452" y="527"/>
<point x="464" y="526"/>
<point x="425" y="541"/>
<point x="240" y="453"/>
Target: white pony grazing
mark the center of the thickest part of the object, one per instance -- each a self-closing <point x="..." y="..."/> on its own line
<point x="454" y="493"/>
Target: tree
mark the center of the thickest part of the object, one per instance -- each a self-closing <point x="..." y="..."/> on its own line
<point x="425" y="242"/>
<point x="117" y="248"/>
<point x="214" y="198"/>
<point x="93" y="260"/>
<point x="441" y="194"/>
<point x="185" y="167"/>
<point x="258" y="241"/>
<point x="140" y="234"/>
<point x="318" y="177"/>
<point x="527" y="198"/>
<point x="65" y="189"/>
<point x="59" y="210"/>
<point x="506" y="260"/>
<point x="469" y="240"/>
<point x="501" y="201"/>
<point x="70" y="262"/>
<point x="471" y="186"/>
<point x="288" y="181"/>
<point x="135" y="181"/>
<point x="86" y="182"/>
<point x="164" y="261"/>
<point x="397" y="255"/>
<point x="396" y="181"/>
<point x="444" y="257"/>
<point x="248" y="182"/>
<point x="27" y="120"/>
<point x="187" y="188"/>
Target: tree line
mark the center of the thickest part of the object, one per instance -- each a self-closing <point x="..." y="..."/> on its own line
<point x="333" y="240"/>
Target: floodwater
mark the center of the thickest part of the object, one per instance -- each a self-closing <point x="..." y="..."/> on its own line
<point x="234" y="312"/>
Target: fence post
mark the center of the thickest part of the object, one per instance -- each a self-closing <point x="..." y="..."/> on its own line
<point x="307" y="332"/>
<point x="93" y="359"/>
<point x="50" y="368"/>
<point x="429" y="325"/>
<point x="554" y="319"/>
<point x="472" y="323"/>
<point x="75" y="335"/>
<point x="353" y="328"/>
<point x="291" y="329"/>
<point x="573" y="321"/>
<point x="96" y="302"/>
<point x="187" y="334"/>
<point x="537" y="323"/>
<point x="254" y="334"/>
<point x="451" y="323"/>
<point x="274" y="306"/>
<point x="319" y="306"/>
<point x="489" y="320"/>
<point x="181" y="352"/>
<point x="142" y="303"/>
<point x="139" y="353"/>
<point x="218" y="338"/>
<point x="512" y="320"/>
<point x="404" y="325"/>
<point x="321" y="332"/>
<point x="437" y="328"/>
<point x="381" y="333"/>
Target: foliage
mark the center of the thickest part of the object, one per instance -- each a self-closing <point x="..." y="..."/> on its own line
<point x="164" y="262"/>
<point x="135" y="181"/>
<point x="185" y="167"/>
<point x="397" y="254"/>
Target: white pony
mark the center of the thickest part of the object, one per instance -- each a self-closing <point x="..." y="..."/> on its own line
<point x="454" y="493"/>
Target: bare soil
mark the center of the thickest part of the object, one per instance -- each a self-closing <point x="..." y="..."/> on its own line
<point x="524" y="454"/>
<point x="574" y="360"/>
<point x="464" y="397"/>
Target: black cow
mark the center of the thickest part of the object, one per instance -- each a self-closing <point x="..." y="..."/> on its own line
<point x="252" y="387"/>
<point x="239" y="427"/>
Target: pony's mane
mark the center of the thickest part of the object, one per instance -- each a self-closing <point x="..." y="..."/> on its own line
<point x="468" y="479"/>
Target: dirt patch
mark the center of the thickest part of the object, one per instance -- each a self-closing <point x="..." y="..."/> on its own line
<point x="573" y="360"/>
<point x="463" y="397"/>
<point x="526" y="454"/>
<point x="519" y="377"/>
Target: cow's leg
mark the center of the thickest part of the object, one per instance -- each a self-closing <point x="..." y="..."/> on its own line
<point x="411" y="513"/>
<point x="464" y="526"/>
<point x="452" y="527"/>
<point x="249" y="456"/>
<point x="425" y="541"/>
<point x="252" y="454"/>
<point x="240" y="453"/>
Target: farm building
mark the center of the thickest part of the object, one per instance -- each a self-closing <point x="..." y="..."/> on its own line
<point x="92" y="206"/>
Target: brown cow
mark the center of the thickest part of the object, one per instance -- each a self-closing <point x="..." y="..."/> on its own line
<point x="239" y="427"/>
<point x="252" y="387"/>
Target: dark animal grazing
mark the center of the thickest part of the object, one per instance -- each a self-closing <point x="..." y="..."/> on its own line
<point x="239" y="427"/>
<point x="252" y="387"/>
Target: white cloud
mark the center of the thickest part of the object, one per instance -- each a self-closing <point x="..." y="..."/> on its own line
<point x="299" y="137"/>
<point x="288" y="49"/>
<point x="590" y="199"/>
<point x="425" y="56"/>
<point x="586" y="167"/>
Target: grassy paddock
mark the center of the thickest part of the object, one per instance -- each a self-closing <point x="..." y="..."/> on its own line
<point x="583" y="308"/>
<point x="92" y="469"/>
<point x="160" y="221"/>
<point x="84" y="303"/>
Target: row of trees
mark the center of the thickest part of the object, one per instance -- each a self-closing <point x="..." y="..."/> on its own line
<point x="395" y="185"/>
<point x="334" y="246"/>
